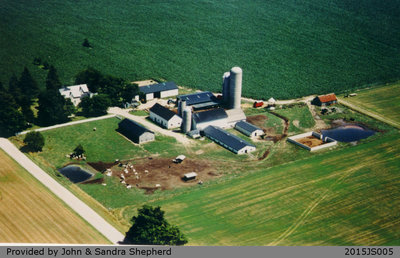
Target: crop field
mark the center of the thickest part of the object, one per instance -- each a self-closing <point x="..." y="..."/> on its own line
<point x="304" y="47"/>
<point x="343" y="197"/>
<point x="383" y="100"/>
<point x="29" y="213"/>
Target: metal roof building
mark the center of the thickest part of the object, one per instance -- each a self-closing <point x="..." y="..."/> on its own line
<point x="164" y="116"/>
<point x="200" y="100"/>
<point x="134" y="131"/>
<point x="217" y="117"/>
<point x="229" y="141"/>
<point x="248" y="129"/>
<point x="160" y="90"/>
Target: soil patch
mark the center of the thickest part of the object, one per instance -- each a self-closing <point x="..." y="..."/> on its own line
<point x="310" y="141"/>
<point x="101" y="166"/>
<point x="162" y="173"/>
<point x="257" y="120"/>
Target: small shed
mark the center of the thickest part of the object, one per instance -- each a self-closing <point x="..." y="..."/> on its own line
<point x="325" y="100"/>
<point x="135" y="131"/>
<point x="189" y="176"/>
<point x="248" y="129"/>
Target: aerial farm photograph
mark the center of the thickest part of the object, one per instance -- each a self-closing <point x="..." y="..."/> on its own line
<point x="200" y="123"/>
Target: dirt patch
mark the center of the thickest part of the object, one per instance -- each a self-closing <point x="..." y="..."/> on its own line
<point x="94" y="181"/>
<point x="101" y="166"/>
<point x="296" y="123"/>
<point x="264" y="156"/>
<point x="310" y="141"/>
<point x="162" y="173"/>
<point x="257" y="120"/>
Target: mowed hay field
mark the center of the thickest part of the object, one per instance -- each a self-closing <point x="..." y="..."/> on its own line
<point x="304" y="47"/>
<point x="343" y="197"/>
<point x="383" y="100"/>
<point x="29" y="213"/>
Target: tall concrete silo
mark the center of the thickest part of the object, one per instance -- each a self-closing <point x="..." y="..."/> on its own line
<point x="235" y="88"/>
<point x="225" y="87"/>
<point x="187" y="120"/>
<point x="183" y="107"/>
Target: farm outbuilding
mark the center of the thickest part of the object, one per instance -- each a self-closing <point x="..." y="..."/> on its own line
<point x="199" y="100"/>
<point x="216" y="117"/>
<point x="325" y="100"/>
<point x="164" y="117"/>
<point x="135" y="132"/>
<point x="189" y="176"/>
<point x="160" y="90"/>
<point x="229" y="141"/>
<point x="248" y="129"/>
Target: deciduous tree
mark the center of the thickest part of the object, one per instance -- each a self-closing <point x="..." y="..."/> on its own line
<point x="150" y="228"/>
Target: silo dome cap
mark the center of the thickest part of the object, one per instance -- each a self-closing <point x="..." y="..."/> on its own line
<point x="236" y="69"/>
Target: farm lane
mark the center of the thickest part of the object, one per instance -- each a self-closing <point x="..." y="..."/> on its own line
<point x="71" y="200"/>
<point x="125" y="113"/>
<point x="69" y="123"/>
<point x="369" y="113"/>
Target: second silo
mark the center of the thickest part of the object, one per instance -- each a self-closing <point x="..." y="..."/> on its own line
<point x="235" y="89"/>
<point x="187" y="120"/>
<point x="225" y="87"/>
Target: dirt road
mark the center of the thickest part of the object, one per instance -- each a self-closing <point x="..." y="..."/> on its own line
<point x="369" y="113"/>
<point x="71" y="200"/>
<point x="125" y="113"/>
<point x="67" y="124"/>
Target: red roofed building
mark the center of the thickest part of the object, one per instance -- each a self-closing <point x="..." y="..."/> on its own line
<point x="325" y="100"/>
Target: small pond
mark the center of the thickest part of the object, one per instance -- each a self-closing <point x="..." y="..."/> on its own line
<point x="348" y="133"/>
<point x="75" y="173"/>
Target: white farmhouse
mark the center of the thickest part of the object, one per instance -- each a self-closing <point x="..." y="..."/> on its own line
<point x="165" y="117"/>
<point x="75" y="93"/>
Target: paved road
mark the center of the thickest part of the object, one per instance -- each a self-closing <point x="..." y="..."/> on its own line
<point x="67" y="124"/>
<point x="141" y="119"/>
<point x="71" y="200"/>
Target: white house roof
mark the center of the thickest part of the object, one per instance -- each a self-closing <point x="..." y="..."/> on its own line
<point x="271" y="100"/>
<point x="75" y="91"/>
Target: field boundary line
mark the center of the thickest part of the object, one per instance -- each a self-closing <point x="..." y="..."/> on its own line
<point x="82" y="209"/>
<point x="369" y="113"/>
<point x="68" y="124"/>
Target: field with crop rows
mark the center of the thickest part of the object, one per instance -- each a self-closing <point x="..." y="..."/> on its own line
<point x="343" y="197"/>
<point x="29" y="213"/>
<point x="286" y="48"/>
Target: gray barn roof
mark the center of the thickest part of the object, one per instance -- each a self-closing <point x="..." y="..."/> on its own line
<point x="158" y="87"/>
<point x="247" y="126"/>
<point x="162" y="111"/>
<point x="210" y="115"/>
<point x="226" y="138"/>
<point x="133" y="128"/>
<point x="196" y="98"/>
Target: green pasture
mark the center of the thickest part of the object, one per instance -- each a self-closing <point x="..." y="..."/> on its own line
<point x="343" y="197"/>
<point x="286" y="48"/>
<point x="300" y="118"/>
<point x="383" y="100"/>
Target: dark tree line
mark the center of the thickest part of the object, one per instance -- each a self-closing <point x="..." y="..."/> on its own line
<point x="17" y="100"/>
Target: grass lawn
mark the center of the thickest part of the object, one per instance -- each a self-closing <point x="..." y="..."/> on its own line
<point x="30" y="213"/>
<point x="300" y="119"/>
<point x="139" y="112"/>
<point x="383" y="100"/>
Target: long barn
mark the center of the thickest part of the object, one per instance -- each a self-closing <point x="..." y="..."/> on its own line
<point x="229" y="141"/>
<point x="135" y="132"/>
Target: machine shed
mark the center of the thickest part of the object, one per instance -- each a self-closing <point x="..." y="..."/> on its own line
<point x="248" y="129"/>
<point x="229" y="141"/>
<point x="135" y="132"/>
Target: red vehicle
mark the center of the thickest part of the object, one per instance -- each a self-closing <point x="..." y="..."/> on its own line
<point x="258" y="104"/>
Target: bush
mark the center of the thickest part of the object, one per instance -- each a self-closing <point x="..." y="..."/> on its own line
<point x="34" y="141"/>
